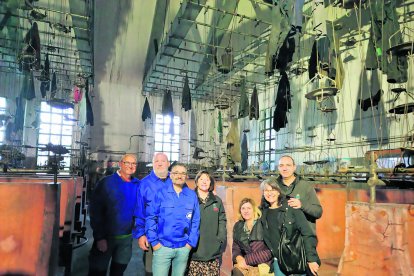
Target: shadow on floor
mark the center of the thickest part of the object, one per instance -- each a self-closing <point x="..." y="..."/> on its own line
<point x="80" y="258"/>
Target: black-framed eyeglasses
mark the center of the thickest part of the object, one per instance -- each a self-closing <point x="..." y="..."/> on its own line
<point x="179" y="173"/>
<point x="126" y="163"/>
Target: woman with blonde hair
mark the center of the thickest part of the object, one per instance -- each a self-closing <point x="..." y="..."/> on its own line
<point x="250" y="254"/>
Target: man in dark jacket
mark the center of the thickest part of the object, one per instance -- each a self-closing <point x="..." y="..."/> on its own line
<point x="112" y="217"/>
<point x="300" y="194"/>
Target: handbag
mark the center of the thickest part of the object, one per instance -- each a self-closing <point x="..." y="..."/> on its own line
<point x="292" y="256"/>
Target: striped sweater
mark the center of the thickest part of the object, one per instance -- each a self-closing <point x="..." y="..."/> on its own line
<point x="251" y="247"/>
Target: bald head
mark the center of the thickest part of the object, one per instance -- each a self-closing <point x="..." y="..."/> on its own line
<point x="160" y="165"/>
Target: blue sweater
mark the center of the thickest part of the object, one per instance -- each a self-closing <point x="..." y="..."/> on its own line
<point x="173" y="220"/>
<point x="146" y="192"/>
<point x="112" y="207"/>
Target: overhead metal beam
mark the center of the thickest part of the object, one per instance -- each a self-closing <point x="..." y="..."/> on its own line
<point x="186" y="10"/>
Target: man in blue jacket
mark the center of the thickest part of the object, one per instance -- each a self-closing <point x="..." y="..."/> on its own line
<point x="158" y="179"/>
<point x="172" y="224"/>
<point x="112" y="209"/>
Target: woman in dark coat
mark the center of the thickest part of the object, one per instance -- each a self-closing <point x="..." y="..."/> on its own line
<point x="205" y="259"/>
<point x="277" y="213"/>
<point x="249" y="250"/>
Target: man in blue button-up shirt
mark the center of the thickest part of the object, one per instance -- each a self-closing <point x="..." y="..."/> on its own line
<point x="172" y="224"/>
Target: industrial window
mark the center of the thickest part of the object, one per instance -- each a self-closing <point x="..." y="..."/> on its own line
<point x="267" y="140"/>
<point x="167" y="136"/>
<point x="3" y="106"/>
<point x="55" y="127"/>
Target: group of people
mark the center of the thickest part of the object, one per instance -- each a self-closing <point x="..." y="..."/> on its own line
<point x="183" y="231"/>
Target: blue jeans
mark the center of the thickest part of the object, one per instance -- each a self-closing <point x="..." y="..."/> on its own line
<point x="165" y="256"/>
<point x="277" y="270"/>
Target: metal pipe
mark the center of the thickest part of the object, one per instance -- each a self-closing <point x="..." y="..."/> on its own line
<point x="42" y="20"/>
<point x="56" y="47"/>
<point x="217" y="28"/>
<point x="264" y="36"/>
<point x="49" y="33"/>
<point x="242" y="16"/>
<point x="62" y="12"/>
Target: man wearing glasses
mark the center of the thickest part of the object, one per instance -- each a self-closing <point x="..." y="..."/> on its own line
<point x="172" y="224"/>
<point x="112" y="208"/>
<point x="159" y="178"/>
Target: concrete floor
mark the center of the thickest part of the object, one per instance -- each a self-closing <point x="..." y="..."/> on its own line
<point x="80" y="258"/>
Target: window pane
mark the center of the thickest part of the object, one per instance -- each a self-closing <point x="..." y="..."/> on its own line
<point x="68" y="111"/>
<point x="41" y="160"/>
<point x="55" y="129"/>
<point x="159" y="119"/>
<point x="158" y="147"/>
<point x="159" y="128"/>
<point x="66" y="140"/>
<point x="44" y="128"/>
<point x="167" y="147"/>
<point x="167" y="120"/>
<point x="174" y="156"/>
<point x="56" y="110"/>
<point x="45" y="117"/>
<point x="175" y="147"/>
<point x="165" y="141"/>
<point x="66" y="161"/>
<point x="66" y="130"/>
<point x="44" y="107"/>
<point x="43" y="139"/>
<point x="55" y="139"/>
<point x="51" y="128"/>
<point x="56" y="119"/>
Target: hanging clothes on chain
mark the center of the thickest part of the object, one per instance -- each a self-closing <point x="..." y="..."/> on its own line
<point x="410" y="81"/>
<point x="193" y="129"/>
<point x="77" y="94"/>
<point x="186" y="97"/>
<point x="254" y="105"/>
<point x="322" y="58"/>
<point x="233" y="141"/>
<point x="19" y="115"/>
<point x="146" y="111"/>
<point x="28" y="89"/>
<point x="278" y="31"/>
<point x="220" y="127"/>
<point x="31" y="49"/>
<point x="167" y="109"/>
<point x="167" y="105"/>
<point x="44" y="87"/>
<point x="384" y="34"/>
<point x="89" y="111"/>
<point x="244" y="101"/>
<point x="282" y="104"/>
<point x="53" y="88"/>
<point x="212" y="132"/>
<point x="287" y="50"/>
<point x="244" y="153"/>
<point x="45" y="72"/>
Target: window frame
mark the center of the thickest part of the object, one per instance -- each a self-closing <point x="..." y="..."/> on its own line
<point x="164" y="141"/>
